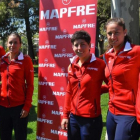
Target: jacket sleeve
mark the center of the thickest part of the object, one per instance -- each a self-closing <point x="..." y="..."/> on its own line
<point x="104" y="87"/>
<point x="67" y="103"/>
<point x="2" y="51"/>
<point x="29" y="79"/>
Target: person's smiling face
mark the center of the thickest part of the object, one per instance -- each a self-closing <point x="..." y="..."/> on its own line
<point x="81" y="48"/>
<point x="13" y="44"/>
<point x="115" y="35"/>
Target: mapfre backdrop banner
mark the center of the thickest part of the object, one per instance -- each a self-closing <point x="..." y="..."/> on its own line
<point x="59" y="19"/>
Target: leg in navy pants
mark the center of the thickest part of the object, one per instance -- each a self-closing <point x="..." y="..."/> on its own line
<point x="81" y="128"/>
<point x="119" y="127"/>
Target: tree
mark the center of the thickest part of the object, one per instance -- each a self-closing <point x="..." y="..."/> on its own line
<point x="6" y="22"/>
<point x="28" y="12"/>
<point x="21" y="16"/>
<point x="103" y="14"/>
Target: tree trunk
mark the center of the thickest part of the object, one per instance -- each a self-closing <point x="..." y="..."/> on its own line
<point x="28" y="31"/>
<point x="101" y="45"/>
<point x="29" y="38"/>
<point x="129" y="11"/>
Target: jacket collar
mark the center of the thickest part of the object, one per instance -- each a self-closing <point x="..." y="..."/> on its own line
<point x="126" y="48"/>
<point x="20" y="56"/>
<point x="73" y="59"/>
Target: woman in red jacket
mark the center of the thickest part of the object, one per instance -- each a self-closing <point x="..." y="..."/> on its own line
<point x="122" y="71"/>
<point x="17" y="89"/>
<point x="82" y="111"/>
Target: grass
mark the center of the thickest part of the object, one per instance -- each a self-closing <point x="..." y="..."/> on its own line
<point x="32" y="124"/>
<point x="104" y="106"/>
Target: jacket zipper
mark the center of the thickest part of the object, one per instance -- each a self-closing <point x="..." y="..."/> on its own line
<point x="79" y="86"/>
<point x="111" y="79"/>
<point x="111" y="100"/>
<point x="8" y="85"/>
<point x="110" y="76"/>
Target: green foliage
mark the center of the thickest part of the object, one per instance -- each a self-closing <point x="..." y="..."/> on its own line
<point x="21" y="16"/>
<point x="6" y="20"/>
<point x="28" y="9"/>
<point x="30" y="14"/>
<point x="103" y="14"/>
<point x="2" y="11"/>
<point x="104" y="10"/>
<point x="24" y="45"/>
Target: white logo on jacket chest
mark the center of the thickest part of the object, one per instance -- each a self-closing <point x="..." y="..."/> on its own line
<point x="17" y="62"/>
<point x="91" y="68"/>
<point x="128" y="57"/>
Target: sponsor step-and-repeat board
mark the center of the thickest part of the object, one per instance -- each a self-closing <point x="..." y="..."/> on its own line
<point x="59" y="19"/>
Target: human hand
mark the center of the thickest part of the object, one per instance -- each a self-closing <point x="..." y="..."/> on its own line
<point x="23" y="113"/>
<point x="64" y="124"/>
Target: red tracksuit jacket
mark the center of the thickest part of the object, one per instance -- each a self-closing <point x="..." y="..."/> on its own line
<point x="84" y="88"/>
<point x="17" y="81"/>
<point x="122" y="71"/>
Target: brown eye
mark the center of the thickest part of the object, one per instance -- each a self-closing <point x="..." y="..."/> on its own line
<point x="110" y="34"/>
<point x="76" y="45"/>
<point x="10" y="42"/>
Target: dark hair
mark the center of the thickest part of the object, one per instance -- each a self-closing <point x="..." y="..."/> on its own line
<point x="81" y="35"/>
<point x="16" y="34"/>
<point x="120" y="22"/>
